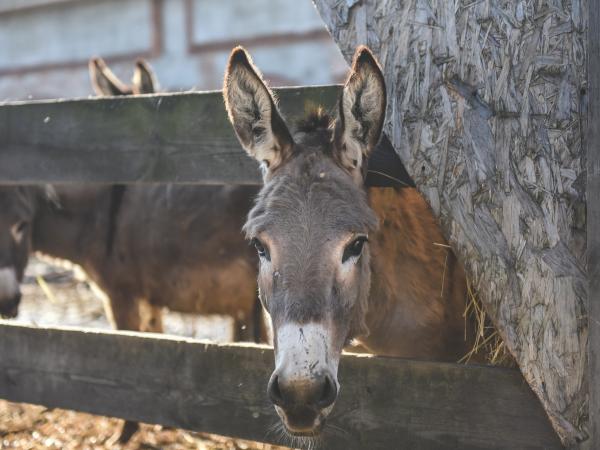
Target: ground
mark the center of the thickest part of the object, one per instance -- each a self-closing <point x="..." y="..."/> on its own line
<point x="58" y="295"/>
<point x="30" y="427"/>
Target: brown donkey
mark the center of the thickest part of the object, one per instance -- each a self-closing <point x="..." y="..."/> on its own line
<point x="334" y="267"/>
<point x="173" y="245"/>
<point x="165" y="245"/>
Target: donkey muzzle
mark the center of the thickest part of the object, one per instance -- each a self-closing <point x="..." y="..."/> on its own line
<point x="10" y="294"/>
<point x="9" y="308"/>
<point x="303" y="388"/>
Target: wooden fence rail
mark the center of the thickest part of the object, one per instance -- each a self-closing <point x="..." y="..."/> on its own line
<point x="384" y="403"/>
<point x="180" y="138"/>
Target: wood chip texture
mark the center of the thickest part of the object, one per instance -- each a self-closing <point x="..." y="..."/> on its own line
<point x="485" y="109"/>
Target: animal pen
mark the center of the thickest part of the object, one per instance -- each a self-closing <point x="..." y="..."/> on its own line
<point x="493" y="110"/>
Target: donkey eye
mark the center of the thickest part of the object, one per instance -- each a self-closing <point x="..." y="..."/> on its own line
<point x="354" y="248"/>
<point x="261" y="249"/>
<point x="19" y="229"/>
<point x="258" y="131"/>
<point x="22" y="226"/>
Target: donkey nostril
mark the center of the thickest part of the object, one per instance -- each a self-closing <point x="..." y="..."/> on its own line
<point x="328" y="393"/>
<point x="15" y="301"/>
<point x="274" y="391"/>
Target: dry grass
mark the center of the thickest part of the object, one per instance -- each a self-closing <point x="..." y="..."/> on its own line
<point x="488" y="343"/>
<point x="488" y="346"/>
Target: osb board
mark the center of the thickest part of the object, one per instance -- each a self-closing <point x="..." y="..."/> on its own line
<point x="484" y="109"/>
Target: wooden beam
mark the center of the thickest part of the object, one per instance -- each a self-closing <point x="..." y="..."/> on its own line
<point x="593" y="220"/>
<point x="154" y="138"/>
<point x="384" y="402"/>
<point x="183" y="138"/>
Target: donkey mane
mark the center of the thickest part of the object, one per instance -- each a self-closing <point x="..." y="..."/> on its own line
<point x="314" y="129"/>
<point x="316" y="119"/>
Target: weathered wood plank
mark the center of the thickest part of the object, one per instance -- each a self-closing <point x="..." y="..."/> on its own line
<point x="155" y="138"/>
<point x="161" y="138"/>
<point x="384" y="403"/>
<point x="485" y="112"/>
<point x="593" y="220"/>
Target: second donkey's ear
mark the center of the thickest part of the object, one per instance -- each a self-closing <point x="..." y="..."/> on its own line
<point x="104" y="81"/>
<point x="144" y="80"/>
<point x="253" y="113"/>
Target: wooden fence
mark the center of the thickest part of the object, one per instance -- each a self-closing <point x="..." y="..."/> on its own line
<point x="384" y="403"/>
<point x="181" y="138"/>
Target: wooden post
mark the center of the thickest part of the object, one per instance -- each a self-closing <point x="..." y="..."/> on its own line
<point x="593" y="219"/>
<point x="485" y="112"/>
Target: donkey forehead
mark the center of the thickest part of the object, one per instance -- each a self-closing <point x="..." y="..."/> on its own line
<point x="311" y="195"/>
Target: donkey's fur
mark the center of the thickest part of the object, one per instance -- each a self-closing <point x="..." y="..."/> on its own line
<point x="418" y="288"/>
<point x="402" y="294"/>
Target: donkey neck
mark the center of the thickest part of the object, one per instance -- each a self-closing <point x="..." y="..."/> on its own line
<point x="73" y="227"/>
<point x="417" y="286"/>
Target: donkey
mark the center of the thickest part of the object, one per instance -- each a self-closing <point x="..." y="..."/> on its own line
<point x="194" y="242"/>
<point x="334" y="267"/>
<point x="149" y="246"/>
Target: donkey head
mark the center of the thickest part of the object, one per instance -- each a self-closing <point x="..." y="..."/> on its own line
<point x="17" y="205"/>
<point x="310" y="226"/>
<point x="106" y="83"/>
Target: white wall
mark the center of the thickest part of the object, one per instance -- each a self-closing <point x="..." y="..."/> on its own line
<point x="70" y="32"/>
<point x="43" y="49"/>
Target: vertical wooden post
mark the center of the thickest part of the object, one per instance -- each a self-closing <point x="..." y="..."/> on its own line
<point x="593" y="218"/>
<point x="484" y="110"/>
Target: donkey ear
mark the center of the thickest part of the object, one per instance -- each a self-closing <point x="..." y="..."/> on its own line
<point x="144" y="80"/>
<point x="253" y="113"/>
<point x="104" y="81"/>
<point x="361" y="111"/>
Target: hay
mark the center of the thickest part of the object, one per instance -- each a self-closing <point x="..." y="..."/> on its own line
<point x="487" y="344"/>
<point x="46" y="289"/>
